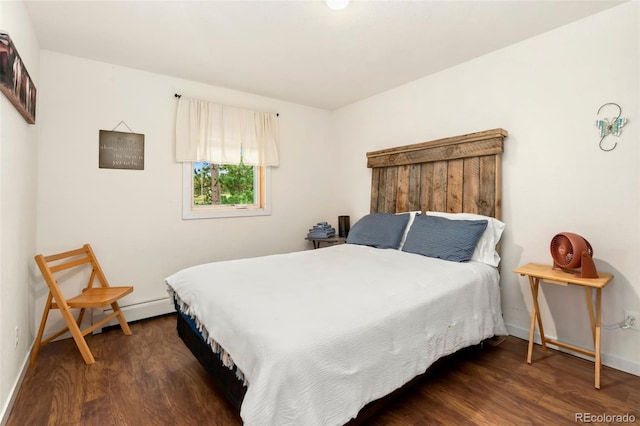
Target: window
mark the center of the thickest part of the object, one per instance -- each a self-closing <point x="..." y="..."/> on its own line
<point x="227" y="153"/>
<point x="224" y="190"/>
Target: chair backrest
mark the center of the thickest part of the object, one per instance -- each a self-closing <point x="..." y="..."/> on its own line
<point x="51" y="264"/>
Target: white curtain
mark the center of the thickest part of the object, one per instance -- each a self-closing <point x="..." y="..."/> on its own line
<point x="220" y="134"/>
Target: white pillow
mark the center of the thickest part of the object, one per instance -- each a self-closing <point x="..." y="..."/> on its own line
<point x="485" y="251"/>
<point x="412" y="215"/>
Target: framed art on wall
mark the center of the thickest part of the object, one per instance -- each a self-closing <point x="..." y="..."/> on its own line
<point x="121" y="150"/>
<point x="15" y="82"/>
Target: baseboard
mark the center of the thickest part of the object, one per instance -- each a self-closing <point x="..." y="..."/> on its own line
<point x="13" y="393"/>
<point x="622" y="364"/>
<point x="143" y="310"/>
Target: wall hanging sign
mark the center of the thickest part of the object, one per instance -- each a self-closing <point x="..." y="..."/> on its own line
<point x="121" y="150"/>
<point x="15" y="81"/>
<point x="613" y="127"/>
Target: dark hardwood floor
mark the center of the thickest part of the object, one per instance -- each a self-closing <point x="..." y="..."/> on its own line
<point x="151" y="378"/>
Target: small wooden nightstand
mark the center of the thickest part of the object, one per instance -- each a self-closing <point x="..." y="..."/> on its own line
<point x="328" y="241"/>
<point x="536" y="273"/>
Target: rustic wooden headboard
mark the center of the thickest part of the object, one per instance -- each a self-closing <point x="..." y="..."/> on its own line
<point x="456" y="174"/>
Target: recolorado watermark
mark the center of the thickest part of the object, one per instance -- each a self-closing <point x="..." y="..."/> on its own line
<point x="604" y="418"/>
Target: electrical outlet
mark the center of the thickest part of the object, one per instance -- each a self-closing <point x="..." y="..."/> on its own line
<point x="636" y="319"/>
<point x="17" y="336"/>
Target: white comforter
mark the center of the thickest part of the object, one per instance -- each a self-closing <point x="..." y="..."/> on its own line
<point x="318" y="334"/>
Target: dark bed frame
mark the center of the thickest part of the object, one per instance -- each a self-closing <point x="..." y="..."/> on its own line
<point x="232" y="388"/>
<point x="456" y="174"/>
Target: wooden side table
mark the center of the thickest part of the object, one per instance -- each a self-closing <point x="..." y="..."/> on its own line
<point x="536" y="273"/>
<point x="328" y="241"/>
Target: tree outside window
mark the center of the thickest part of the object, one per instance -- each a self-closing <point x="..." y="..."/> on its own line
<point x="223" y="184"/>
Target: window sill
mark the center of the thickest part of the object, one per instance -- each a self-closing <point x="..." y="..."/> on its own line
<point x="189" y="213"/>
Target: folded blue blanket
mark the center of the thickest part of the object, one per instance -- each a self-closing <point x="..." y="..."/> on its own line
<point x="320" y="235"/>
<point x="321" y="230"/>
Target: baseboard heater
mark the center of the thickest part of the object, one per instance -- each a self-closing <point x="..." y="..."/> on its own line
<point x="139" y="311"/>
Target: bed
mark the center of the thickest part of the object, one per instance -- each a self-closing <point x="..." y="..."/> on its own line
<point x="313" y="337"/>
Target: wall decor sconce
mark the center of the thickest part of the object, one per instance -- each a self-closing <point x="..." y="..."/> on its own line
<point x="613" y="127"/>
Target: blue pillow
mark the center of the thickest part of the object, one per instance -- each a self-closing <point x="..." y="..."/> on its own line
<point x="380" y="230"/>
<point x="442" y="238"/>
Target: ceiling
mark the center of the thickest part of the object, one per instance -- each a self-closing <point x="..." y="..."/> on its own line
<point x="298" y="51"/>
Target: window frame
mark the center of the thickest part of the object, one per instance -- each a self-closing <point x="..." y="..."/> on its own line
<point x="189" y="211"/>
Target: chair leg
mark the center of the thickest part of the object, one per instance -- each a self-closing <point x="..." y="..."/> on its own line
<point x="36" y="346"/>
<point x="80" y="316"/>
<point x="77" y="335"/>
<point x="121" y="319"/>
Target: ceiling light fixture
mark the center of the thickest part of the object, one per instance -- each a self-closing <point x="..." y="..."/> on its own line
<point x="337" y="4"/>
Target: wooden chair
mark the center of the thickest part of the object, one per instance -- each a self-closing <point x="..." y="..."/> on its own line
<point x="91" y="297"/>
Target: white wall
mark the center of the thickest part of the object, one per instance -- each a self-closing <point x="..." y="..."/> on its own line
<point x="545" y="91"/>
<point x="17" y="211"/>
<point x="133" y="218"/>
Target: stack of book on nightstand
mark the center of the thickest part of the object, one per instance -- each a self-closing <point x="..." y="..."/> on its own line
<point x="321" y="230"/>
